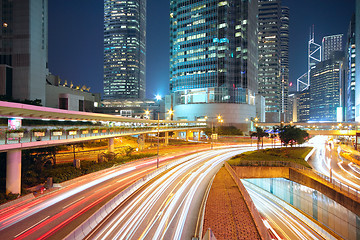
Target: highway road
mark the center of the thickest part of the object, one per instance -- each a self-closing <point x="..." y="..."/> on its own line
<point x="327" y="161"/>
<point x="168" y="208"/>
<point x="55" y="214"/>
<point x="282" y="224"/>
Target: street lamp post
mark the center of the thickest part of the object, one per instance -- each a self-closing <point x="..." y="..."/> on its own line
<point x="158" y="140"/>
<point x="158" y="98"/>
<point x="220" y="120"/>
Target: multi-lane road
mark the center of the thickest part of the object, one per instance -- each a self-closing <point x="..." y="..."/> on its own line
<point x="328" y="161"/>
<point x="59" y="212"/>
<point x="165" y="208"/>
<point x="168" y="208"/>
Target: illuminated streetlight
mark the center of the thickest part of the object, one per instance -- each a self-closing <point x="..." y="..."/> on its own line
<point x="158" y="97"/>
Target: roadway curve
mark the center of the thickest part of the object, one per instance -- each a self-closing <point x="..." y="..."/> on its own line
<point x="281" y="223"/>
<point x="168" y="208"/>
<point x="327" y="157"/>
<point x="56" y="214"/>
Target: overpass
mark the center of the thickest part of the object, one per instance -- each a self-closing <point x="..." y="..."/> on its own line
<point x="323" y="128"/>
<point x="108" y="127"/>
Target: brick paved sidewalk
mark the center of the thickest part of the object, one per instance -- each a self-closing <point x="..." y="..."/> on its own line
<point x="226" y="213"/>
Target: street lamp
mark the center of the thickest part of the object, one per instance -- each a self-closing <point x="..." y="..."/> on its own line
<point x="220" y="120"/>
<point x="158" y="98"/>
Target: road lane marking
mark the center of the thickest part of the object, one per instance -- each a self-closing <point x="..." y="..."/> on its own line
<point x="74" y="202"/>
<point x="31" y="227"/>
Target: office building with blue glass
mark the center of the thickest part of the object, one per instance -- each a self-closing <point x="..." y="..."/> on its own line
<point x="326" y="90"/>
<point x="124" y="49"/>
<point x="350" y="73"/>
<point x="213" y="59"/>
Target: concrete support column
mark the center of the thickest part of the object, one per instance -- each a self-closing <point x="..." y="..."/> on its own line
<point x="111" y="145"/>
<point x="13" y="172"/>
<point x="141" y="141"/>
<point x="187" y="133"/>
<point x="198" y="135"/>
<point x="166" y="138"/>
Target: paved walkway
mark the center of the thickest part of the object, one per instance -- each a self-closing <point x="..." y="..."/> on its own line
<point x="226" y="213"/>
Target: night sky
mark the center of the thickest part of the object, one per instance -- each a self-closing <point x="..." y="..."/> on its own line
<point x="76" y="38"/>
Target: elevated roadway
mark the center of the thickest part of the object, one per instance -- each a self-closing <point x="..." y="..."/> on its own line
<point x="14" y="142"/>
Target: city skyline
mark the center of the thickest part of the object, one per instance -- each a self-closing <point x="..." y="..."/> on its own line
<point x="86" y="27"/>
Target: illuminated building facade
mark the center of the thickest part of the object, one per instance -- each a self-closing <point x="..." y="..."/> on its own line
<point x="303" y="107"/>
<point x="124" y="49"/>
<point x="273" y="58"/>
<point x="330" y="44"/>
<point x="350" y="71"/>
<point x="213" y="59"/>
<point x="326" y="88"/>
<point x="23" y="49"/>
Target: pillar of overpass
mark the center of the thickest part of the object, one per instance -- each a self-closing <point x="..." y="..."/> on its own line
<point x="111" y="145"/>
<point x="189" y="134"/>
<point x="198" y="135"/>
<point x="13" y="171"/>
<point x="141" y="141"/>
<point x="166" y="138"/>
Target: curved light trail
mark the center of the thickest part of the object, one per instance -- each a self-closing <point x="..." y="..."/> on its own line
<point x="282" y="222"/>
<point x="168" y="207"/>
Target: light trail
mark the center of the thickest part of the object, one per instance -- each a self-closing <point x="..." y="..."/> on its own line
<point x="162" y="209"/>
<point x="41" y="206"/>
<point x="290" y="226"/>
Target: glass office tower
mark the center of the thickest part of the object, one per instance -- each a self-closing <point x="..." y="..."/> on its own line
<point x="23" y="49"/>
<point x="273" y="58"/>
<point x="326" y="90"/>
<point x="213" y="59"/>
<point x="350" y="72"/>
<point x="124" y="49"/>
<point x="330" y="44"/>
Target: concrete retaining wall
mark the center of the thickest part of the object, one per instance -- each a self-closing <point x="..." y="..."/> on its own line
<point x="261" y="172"/>
<point x="340" y="196"/>
<point x="306" y="178"/>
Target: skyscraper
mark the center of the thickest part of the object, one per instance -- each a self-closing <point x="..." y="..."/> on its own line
<point x="326" y="88"/>
<point x="273" y="58"/>
<point x="350" y="72"/>
<point x="357" y="62"/>
<point x="124" y="49"/>
<point x="330" y="44"/>
<point x="24" y="48"/>
<point x="213" y="59"/>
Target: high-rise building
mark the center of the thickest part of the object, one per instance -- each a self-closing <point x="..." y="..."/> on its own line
<point x="357" y="61"/>
<point x="303" y="106"/>
<point x="284" y="46"/>
<point x="349" y="65"/>
<point x="330" y="44"/>
<point x="326" y="89"/>
<point x="124" y="49"/>
<point x="213" y="59"/>
<point x="273" y="58"/>
<point x="24" y="48"/>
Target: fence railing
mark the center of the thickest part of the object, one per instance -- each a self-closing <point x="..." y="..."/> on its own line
<point x="333" y="182"/>
<point x="29" y="135"/>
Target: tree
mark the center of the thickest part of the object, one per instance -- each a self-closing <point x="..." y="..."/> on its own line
<point x="128" y="150"/>
<point x="290" y="135"/>
<point x="260" y="134"/>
